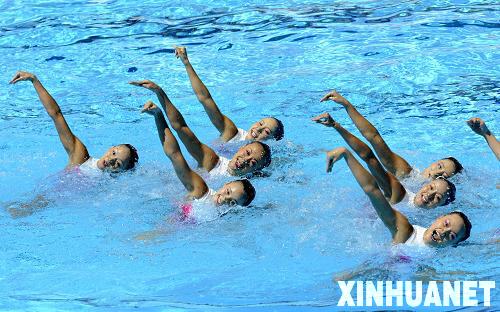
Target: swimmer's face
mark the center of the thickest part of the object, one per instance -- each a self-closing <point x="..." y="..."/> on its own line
<point x="433" y="194"/>
<point x="443" y="167"/>
<point x="115" y="159"/>
<point x="262" y="130"/>
<point x="249" y="158"/>
<point x="445" y="231"/>
<point x="232" y="193"/>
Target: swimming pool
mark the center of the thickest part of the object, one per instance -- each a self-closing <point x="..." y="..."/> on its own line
<point x="417" y="70"/>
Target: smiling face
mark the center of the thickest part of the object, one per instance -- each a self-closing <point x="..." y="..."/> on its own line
<point x="262" y="130"/>
<point x="443" y="167"/>
<point x="232" y="193"/>
<point x="432" y="194"/>
<point x="115" y="159"/>
<point x="248" y="159"/>
<point x="445" y="231"/>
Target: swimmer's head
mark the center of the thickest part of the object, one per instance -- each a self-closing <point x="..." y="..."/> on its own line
<point x="265" y="129"/>
<point x="446" y="167"/>
<point x="118" y="158"/>
<point x="439" y="192"/>
<point x="250" y="158"/>
<point x="448" y="230"/>
<point x="239" y="192"/>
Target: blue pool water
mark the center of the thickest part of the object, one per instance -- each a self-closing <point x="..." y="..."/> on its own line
<point x="417" y="70"/>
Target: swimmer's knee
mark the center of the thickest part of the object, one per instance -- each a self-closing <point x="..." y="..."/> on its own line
<point x="370" y="188"/>
<point x="370" y="159"/>
<point x="177" y="126"/>
<point x="366" y="154"/>
<point x="374" y="137"/>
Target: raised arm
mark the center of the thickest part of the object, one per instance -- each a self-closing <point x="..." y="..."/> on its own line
<point x="77" y="152"/>
<point x="479" y="126"/>
<point x="396" y="222"/>
<point x="394" y="163"/>
<point x="204" y="155"/>
<point x="392" y="188"/>
<point x="226" y="126"/>
<point x="193" y="183"/>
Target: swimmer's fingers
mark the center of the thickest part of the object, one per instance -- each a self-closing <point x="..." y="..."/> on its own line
<point x="477" y="125"/>
<point x="326" y="97"/>
<point x="473" y="121"/>
<point x="333" y="156"/>
<point x="16" y="78"/>
<point x="330" y="160"/>
<point x="320" y="117"/>
<point x="138" y="83"/>
<point x="324" y="119"/>
<point x="329" y="164"/>
<point x="149" y="108"/>
<point x="148" y="84"/>
<point x="332" y="95"/>
<point x="181" y="52"/>
<point x="22" y="76"/>
<point x="336" y="97"/>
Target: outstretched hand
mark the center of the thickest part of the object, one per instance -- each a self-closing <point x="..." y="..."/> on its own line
<point x="22" y="76"/>
<point x="180" y="52"/>
<point x="333" y="156"/>
<point x="334" y="96"/>
<point x="148" y="84"/>
<point x="478" y="126"/>
<point x="150" y="108"/>
<point x="325" y="119"/>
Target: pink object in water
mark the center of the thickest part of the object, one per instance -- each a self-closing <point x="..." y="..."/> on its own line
<point x="186" y="210"/>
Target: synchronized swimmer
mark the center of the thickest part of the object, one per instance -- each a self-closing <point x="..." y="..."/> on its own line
<point x="240" y="192"/>
<point x="439" y="192"/>
<point x="382" y="183"/>
<point x="117" y="158"/>
<point x="264" y="129"/>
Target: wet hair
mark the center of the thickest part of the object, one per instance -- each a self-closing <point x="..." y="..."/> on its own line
<point x="267" y="153"/>
<point x="280" y="130"/>
<point x="468" y="225"/>
<point x="134" y="157"/>
<point x="452" y="190"/>
<point x="249" y="191"/>
<point x="458" y="165"/>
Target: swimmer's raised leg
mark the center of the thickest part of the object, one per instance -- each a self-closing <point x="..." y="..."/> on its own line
<point x="395" y="221"/>
<point x="202" y="153"/>
<point x="392" y="188"/>
<point x="193" y="183"/>
<point x="226" y="126"/>
<point x="479" y="126"/>
<point x="76" y="150"/>
<point x="394" y="163"/>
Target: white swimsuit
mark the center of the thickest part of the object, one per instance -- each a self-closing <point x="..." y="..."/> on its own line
<point x="221" y="167"/>
<point x="204" y="209"/>
<point x="89" y="167"/>
<point x="410" y="196"/>
<point x="417" y="237"/>
<point x="240" y="136"/>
